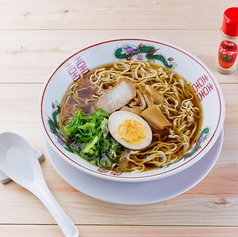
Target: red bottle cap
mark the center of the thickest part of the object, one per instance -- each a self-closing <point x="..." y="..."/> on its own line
<point x="230" y="21"/>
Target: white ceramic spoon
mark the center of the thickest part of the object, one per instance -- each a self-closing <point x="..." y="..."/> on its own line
<point x="18" y="162"/>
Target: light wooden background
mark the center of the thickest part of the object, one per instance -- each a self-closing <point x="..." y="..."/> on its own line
<point x="35" y="36"/>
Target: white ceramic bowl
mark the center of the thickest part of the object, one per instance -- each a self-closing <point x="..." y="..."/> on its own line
<point x="187" y="65"/>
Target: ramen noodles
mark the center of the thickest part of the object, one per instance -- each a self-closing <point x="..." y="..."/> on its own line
<point x="159" y="95"/>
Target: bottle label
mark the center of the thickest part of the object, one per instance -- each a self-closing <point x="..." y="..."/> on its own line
<point x="227" y="53"/>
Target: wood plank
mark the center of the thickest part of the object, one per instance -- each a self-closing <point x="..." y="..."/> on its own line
<point x="30" y="56"/>
<point x="141" y="14"/>
<point x="194" y="208"/>
<point x="116" y="231"/>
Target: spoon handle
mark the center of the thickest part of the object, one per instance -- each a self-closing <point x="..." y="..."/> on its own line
<point x="64" y="222"/>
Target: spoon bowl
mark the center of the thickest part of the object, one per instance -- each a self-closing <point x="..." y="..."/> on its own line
<point x="17" y="161"/>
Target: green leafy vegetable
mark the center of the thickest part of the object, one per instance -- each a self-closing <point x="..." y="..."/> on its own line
<point x="89" y="137"/>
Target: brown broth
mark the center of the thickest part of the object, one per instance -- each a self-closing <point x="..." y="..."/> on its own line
<point x="87" y="91"/>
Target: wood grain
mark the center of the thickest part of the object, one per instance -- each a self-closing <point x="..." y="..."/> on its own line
<point x="33" y="55"/>
<point x="132" y="231"/>
<point x="139" y="14"/>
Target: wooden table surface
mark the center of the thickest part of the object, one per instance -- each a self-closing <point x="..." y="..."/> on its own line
<point x="35" y="36"/>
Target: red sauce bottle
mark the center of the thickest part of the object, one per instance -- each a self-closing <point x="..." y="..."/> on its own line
<point x="227" y="59"/>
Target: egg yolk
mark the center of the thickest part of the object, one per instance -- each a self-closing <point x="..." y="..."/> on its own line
<point x="132" y="131"/>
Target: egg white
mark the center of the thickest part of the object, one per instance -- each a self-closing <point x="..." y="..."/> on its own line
<point x="117" y="118"/>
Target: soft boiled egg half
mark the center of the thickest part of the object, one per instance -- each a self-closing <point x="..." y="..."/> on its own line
<point x="130" y="130"/>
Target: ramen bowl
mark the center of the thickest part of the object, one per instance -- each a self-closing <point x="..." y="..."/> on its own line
<point x="205" y="88"/>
